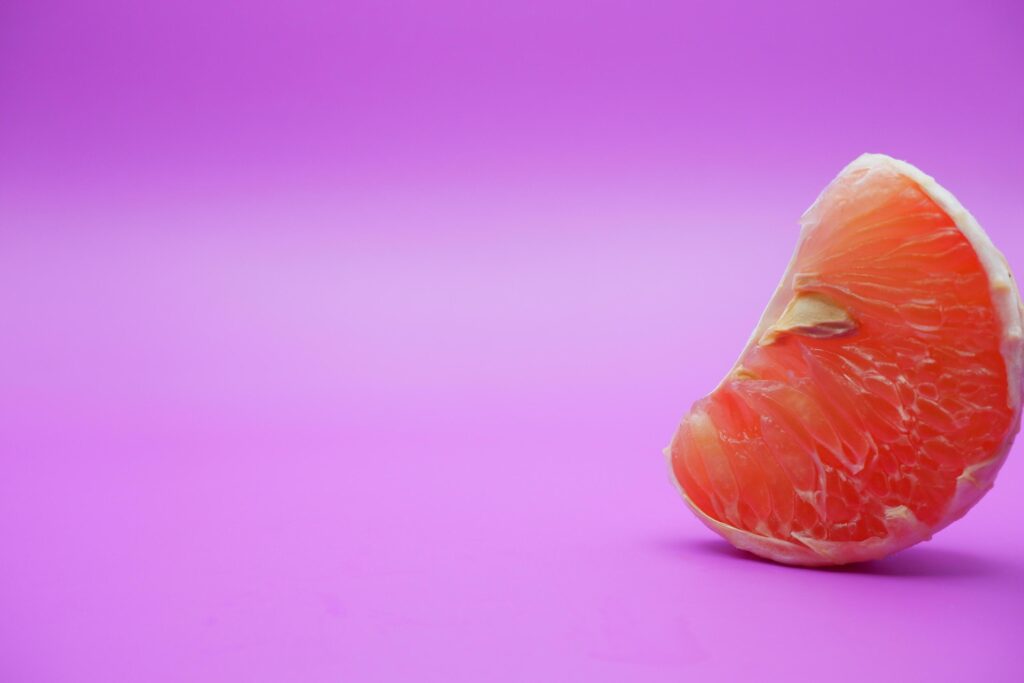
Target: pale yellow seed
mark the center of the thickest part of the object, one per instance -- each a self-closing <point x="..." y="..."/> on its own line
<point x="811" y="314"/>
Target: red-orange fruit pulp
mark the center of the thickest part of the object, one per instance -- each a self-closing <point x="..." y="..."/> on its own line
<point x="879" y="394"/>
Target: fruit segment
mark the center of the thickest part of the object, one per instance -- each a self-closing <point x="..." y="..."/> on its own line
<point x="879" y="394"/>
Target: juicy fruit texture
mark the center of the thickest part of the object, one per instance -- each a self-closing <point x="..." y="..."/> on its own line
<point x="879" y="394"/>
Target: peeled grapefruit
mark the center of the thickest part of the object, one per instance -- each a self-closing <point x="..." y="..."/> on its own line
<point x="880" y="392"/>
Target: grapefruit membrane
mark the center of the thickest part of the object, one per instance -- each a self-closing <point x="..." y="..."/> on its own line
<point x="878" y="395"/>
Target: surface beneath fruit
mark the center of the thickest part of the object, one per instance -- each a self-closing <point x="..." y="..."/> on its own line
<point x="873" y="382"/>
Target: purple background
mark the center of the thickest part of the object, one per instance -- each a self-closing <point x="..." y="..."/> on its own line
<point x="340" y="339"/>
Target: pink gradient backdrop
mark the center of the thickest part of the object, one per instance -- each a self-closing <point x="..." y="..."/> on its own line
<point x="341" y="338"/>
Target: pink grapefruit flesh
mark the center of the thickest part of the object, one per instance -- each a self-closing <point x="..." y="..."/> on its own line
<point x="880" y="392"/>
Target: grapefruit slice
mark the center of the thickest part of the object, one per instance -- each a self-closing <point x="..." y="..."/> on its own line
<point x="880" y="392"/>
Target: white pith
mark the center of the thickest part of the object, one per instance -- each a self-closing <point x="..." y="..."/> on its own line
<point x="904" y="529"/>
